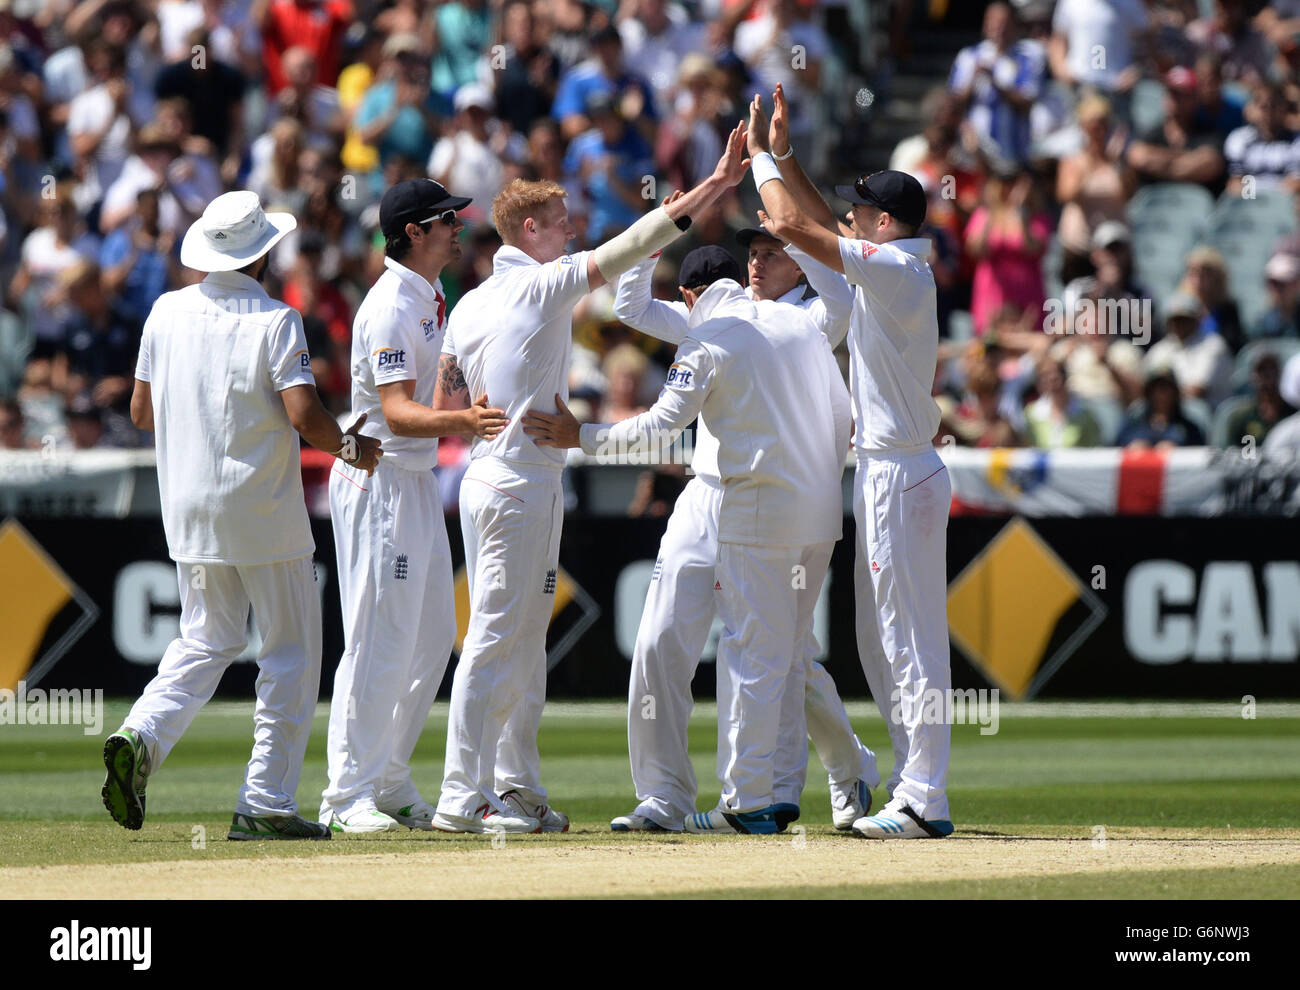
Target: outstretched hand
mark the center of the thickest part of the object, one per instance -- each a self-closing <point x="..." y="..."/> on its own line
<point x="778" y="135"/>
<point x="486" y="422"/>
<point x="733" y="163"/>
<point x="756" y="136"/>
<point x="558" y="429"/>
<point x="369" y="449"/>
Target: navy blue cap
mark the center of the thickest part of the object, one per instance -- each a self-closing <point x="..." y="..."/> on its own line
<point x="894" y="192"/>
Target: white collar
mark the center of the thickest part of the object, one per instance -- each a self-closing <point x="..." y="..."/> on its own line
<point x="414" y="281"/>
<point x="237" y="280"/>
<point x="724" y="297"/>
<point x="917" y="246"/>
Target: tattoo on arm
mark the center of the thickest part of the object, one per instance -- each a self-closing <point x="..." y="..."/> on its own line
<point x="451" y="380"/>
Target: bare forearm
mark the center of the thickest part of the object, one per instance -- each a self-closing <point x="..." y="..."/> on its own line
<point x="410" y="419"/>
<point x="319" y="429"/>
<point x="804" y="193"/>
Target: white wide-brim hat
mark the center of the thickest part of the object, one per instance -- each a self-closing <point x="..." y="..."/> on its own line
<point x="234" y="231"/>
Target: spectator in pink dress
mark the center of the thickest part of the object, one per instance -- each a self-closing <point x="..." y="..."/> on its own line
<point x="1006" y="238"/>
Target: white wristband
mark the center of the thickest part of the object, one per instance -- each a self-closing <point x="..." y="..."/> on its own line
<point x="764" y="169"/>
<point x="780" y="158"/>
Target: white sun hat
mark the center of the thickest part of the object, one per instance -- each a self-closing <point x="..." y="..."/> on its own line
<point x="234" y="231"/>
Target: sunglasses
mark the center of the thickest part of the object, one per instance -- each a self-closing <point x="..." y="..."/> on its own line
<point x="860" y="187"/>
<point x="446" y="216"/>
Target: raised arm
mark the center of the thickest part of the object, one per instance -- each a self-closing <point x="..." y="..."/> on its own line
<point x="796" y="180"/>
<point x="635" y="306"/>
<point x="788" y="220"/>
<point x="660" y="227"/>
<point x="833" y="307"/>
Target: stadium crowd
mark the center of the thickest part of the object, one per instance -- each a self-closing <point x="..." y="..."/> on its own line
<point x="1113" y="184"/>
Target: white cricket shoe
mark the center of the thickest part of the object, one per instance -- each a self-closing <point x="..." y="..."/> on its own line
<point x="552" y="820"/>
<point x="361" y="820"/>
<point x="849" y="802"/>
<point x="901" y="824"/>
<point x="413" y="816"/>
<point x="637" y="823"/>
<point x="485" y="819"/>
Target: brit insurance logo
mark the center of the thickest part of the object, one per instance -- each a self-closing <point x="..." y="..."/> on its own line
<point x="680" y="378"/>
<point x="41" y="610"/>
<point x="429" y="327"/>
<point x="390" y="357"/>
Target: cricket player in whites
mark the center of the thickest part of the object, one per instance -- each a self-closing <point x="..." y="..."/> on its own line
<point x="511" y="338"/>
<point x="679" y="605"/>
<point x="903" y="492"/>
<point x="394" y="561"/>
<point x="762" y="376"/>
<point x="223" y="380"/>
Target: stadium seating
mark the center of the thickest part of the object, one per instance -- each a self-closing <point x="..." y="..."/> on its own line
<point x="1227" y="409"/>
<point x="1167" y="220"/>
<point x="1283" y="348"/>
<point x="1109" y="416"/>
<point x="1244" y="231"/>
<point x="1148" y="105"/>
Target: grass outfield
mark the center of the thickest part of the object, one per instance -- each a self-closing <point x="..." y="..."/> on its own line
<point x="1065" y="800"/>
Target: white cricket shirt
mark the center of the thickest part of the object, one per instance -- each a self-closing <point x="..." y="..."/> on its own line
<point x="397" y="336"/>
<point x="216" y="356"/>
<point x="634" y="305"/>
<point x="761" y="374"/>
<point x="512" y="337"/>
<point x="893" y="343"/>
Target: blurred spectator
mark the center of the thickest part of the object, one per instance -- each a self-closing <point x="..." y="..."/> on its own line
<point x="317" y="25"/>
<point x="275" y="177"/>
<point x="137" y="259"/>
<point x="766" y="42"/>
<point x="1207" y="280"/>
<point x="1245" y="52"/>
<point x="12" y="427"/>
<point x="399" y="113"/>
<point x="1111" y="259"/>
<point x="185" y="183"/>
<point x="327" y="319"/>
<point x="978" y="422"/>
<point x="1267" y="409"/>
<point x="1057" y="419"/>
<point x="1081" y="28"/>
<point x="354" y="80"/>
<point x="527" y="74"/>
<point x="1282" y="318"/>
<point x="1179" y="150"/>
<point x="625" y="366"/>
<point x="464" y="160"/>
<point x="1200" y="361"/>
<point x="1215" y="109"/>
<point x="462" y="31"/>
<point x="689" y="143"/>
<point x="100" y="340"/>
<point x="603" y="74"/>
<point x="998" y="80"/>
<point x="1099" y="364"/>
<point x="656" y="492"/>
<point x="1265" y="149"/>
<point x="60" y="242"/>
<point x="303" y="99"/>
<point x="1006" y="238"/>
<point x="1159" y="421"/>
<point x="99" y="129"/>
<point x="1094" y="185"/>
<point x="214" y="92"/>
<point x="657" y="36"/>
<point x="85" y="424"/>
<point x="611" y="162"/>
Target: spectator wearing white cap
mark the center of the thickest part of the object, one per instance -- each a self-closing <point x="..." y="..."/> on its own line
<point x="1199" y="360"/>
<point x="465" y="158"/>
<point x="1282" y="318"/>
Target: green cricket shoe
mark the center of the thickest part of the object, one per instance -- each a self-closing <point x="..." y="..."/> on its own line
<point x="127" y="760"/>
<point x="244" y="828"/>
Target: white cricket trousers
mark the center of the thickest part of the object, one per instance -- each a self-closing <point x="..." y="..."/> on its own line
<point x="214" y="630"/>
<point x="674" y="628"/>
<point x="511" y="515"/>
<point x="901" y="502"/>
<point x="766" y="610"/>
<point x="399" y="625"/>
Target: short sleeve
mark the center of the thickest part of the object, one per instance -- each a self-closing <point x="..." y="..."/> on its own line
<point x="142" y="361"/>
<point x="392" y="346"/>
<point x="562" y="281"/>
<point x="449" y="339"/>
<point x="871" y="266"/>
<point x="287" y="358"/>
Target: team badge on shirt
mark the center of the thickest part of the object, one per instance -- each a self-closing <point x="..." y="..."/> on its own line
<point x="868" y="249"/>
<point x="304" y="359"/>
<point x="428" y="326"/>
<point x="680" y="378"/>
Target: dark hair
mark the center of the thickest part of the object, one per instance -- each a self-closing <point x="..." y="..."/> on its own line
<point x="398" y="246"/>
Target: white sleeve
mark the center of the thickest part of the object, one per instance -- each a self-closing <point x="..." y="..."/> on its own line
<point x="680" y="402"/>
<point x="441" y="157"/>
<point x="448" y="340"/>
<point x="391" y="345"/>
<point x="634" y="305"/>
<point x="146" y="341"/>
<point x="286" y="354"/>
<point x="875" y="267"/>
<point x="562" y="282"/>
<point x="833" y="306"/>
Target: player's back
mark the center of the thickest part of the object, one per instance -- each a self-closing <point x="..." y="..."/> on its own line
<point x="216" y="355"/>
<point x="779" y="409"/>
<point x="512" y="337"/>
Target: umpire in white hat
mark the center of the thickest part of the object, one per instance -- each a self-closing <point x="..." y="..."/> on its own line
<point x="224" y="380"/>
